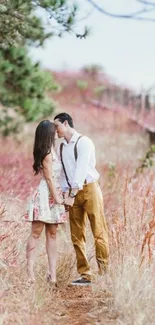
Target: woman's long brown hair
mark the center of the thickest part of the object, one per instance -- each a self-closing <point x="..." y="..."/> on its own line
<point x="43" y="142"/>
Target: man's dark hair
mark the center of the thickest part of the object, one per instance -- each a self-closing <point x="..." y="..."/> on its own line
<point x="62" y="117"/>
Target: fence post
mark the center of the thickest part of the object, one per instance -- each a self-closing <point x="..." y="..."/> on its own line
<point x="142" y="110"/>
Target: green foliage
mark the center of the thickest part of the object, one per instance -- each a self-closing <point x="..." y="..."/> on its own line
<point x="23" y="86"/>
<point x="153" y="148"/>
<point x="111" y="169"/>
<point x="20" y="21"/>
<point x="93" y="70"/>
<point x="82" y="84"/>
<point x="99" y="90"/>
<point x="10" y="121"/>
<point x="111" y="175"/>
<point x="148" y="160"/>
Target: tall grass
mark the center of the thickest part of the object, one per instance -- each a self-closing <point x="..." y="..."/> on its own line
<point x="129" y="286"/>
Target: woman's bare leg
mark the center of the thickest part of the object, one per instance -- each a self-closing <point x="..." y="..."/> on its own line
<point x="37" y="228"/>
<point x="51" y="249"/>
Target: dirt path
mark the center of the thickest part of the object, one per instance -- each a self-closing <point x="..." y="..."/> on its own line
<point x="75" y="306"/>
<point x="79" y="306"/>
<point x="78" y="303"/>
<point x="82" y="308"/>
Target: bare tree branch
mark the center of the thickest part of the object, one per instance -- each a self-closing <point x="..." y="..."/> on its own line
<point x="134" y="15"/>
<point x="86" y="16"/>
<point x="147" y="3"/>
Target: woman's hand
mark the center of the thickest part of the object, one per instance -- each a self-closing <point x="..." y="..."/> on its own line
<point x="69" y="201"/>
<point x="59" y="200"/>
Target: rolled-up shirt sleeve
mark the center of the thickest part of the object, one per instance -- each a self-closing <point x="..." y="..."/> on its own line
<point x="85" y="148"/>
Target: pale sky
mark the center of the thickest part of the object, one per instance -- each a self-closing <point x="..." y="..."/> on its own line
<point x="125" y="48"/>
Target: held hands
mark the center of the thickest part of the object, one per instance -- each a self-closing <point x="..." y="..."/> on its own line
<point x="67" y="201"/>
<point x="59" y="200"/>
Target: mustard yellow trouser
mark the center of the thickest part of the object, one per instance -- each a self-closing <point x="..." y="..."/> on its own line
<point x="89" y="202"/>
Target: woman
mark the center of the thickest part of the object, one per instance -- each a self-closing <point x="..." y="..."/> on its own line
<point x="46" y="207"/>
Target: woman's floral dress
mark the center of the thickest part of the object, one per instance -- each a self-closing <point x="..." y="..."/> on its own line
<point x="42" y="206"/>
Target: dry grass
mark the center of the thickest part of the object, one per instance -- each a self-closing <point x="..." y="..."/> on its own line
<point x="127" y="293"/>
<point x="132" y="253"/>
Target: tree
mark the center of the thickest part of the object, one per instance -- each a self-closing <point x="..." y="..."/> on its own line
<point x="19" y="22"/>
<point x="23" y="85"/>
<point x="142" y="14"/>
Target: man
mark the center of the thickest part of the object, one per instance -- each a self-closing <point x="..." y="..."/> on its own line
<point x="77" y="153"/>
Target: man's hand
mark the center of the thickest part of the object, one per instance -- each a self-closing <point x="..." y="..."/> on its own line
<point x="66" y="208"/>
<point x="65" y="195"/>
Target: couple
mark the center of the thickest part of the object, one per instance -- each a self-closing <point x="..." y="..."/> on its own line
<point x="69" y="180"/>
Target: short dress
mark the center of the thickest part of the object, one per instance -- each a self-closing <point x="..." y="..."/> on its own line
<point x="42" y="206"/>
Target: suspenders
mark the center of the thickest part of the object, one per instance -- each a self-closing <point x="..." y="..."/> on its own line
<point x="75" y="155"/>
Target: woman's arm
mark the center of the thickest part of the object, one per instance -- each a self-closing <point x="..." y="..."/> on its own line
<point x="47" y="171"/>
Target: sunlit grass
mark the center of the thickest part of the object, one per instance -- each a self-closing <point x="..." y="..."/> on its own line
<point x="129" y="198"/>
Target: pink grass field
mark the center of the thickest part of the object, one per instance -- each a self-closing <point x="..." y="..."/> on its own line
<point x="128" y="290"/>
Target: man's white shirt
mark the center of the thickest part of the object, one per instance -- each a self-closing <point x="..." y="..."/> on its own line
<point x="82" y="169"/>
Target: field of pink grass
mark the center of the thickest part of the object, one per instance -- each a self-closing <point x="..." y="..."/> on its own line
<point x="126" y="295"/>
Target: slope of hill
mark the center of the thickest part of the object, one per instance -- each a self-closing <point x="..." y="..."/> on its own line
<point x="126" y="294"/>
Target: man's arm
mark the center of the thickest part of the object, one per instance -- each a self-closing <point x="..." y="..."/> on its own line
<point x="85" y="149"/>
<point x="63" y="181"/>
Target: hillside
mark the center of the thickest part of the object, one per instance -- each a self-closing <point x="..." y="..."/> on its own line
<point x="126" y="294"/>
